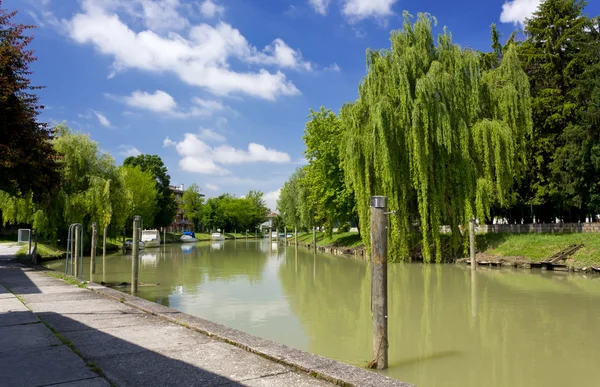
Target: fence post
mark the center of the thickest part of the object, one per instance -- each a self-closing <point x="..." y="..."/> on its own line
<point x="472" y="243"/>
<point x="93" y="250"/>
<point x="135" y="254"/>
<point x="379" y="304"/>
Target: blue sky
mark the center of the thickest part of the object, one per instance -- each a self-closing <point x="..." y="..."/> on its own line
<point x="220" y="89"/>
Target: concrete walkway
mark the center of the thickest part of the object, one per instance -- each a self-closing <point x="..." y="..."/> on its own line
<point x="54" y="333"/>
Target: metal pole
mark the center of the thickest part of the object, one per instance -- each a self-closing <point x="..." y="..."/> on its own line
<point x="76" y="253"/>
<point x="472" y="243"/>
<point x="379" y="304"/>
<point x="135" y="254"/>
<point x="93" y="250"/>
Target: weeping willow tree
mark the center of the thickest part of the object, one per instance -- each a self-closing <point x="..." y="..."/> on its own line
<point x="439" y="136"/>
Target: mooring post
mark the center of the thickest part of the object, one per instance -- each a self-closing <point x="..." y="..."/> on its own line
<point x="135" y="254"/>
<point x="124" y="232"/>
<point x="379" y="304"/>
<point x="235" y="234"/>
<point x="315" y="238"/>
<point x="104" y="244"/>
<point x="296" y="236"/>
<point x="277" y="235"/>
<point x="164" y="235"/>
<point x="93" y="250"/>
<point x="472" y="243"/>
<point x="285" y="234"/>
<point x="270" y="235"/>
<point x="34" y="254"/>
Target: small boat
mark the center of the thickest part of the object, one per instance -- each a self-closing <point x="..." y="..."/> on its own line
<point x="188" y="237"/>
<point x="129" y="244"/>
<point x="216" y="236"/>
<point x="151" y="238"/>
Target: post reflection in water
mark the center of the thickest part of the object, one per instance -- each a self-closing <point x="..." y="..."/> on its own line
<point x="448" y="325"/>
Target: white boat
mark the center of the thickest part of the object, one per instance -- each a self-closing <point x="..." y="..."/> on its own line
<point x="216" y="236"/>
<point x="151" y="238"/>
<point x="188" y="237"/>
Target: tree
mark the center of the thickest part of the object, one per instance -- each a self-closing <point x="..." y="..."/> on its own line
<point x="334" y="202"/>
<point x="552" y="58"/>
<point x="289" y="203"/>
<point x="192" y="202"/>
<point x="139" y="188"/>
<point x="28" y="162"/>
<point x="166" y="205"/>
<point x="436" y="134"/>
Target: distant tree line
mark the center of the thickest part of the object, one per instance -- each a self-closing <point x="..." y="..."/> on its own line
<point x="449" y="134"/>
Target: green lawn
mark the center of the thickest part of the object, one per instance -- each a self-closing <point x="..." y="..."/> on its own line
<point x="45" y="252"/>
<point x="540" y="246"/>
<point x="342" y="239"/>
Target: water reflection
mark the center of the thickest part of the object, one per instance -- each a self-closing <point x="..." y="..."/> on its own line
<point x="448" y="325"/>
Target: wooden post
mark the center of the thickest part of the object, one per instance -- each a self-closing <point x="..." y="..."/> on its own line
<point x="104" y="244"/>
<point x="234" y="234"/>
<point x="135" y="248"/>
<point x="93" y="250"/>
<point x="164" y="235"/>
<point x="124" y="231"/>
<point x="314" y="238"/>
<point x="296" y="236"/>
<point x="472" y="243"/>
<point x="34" y="259"/>
<point x="285" y="234"/>
<point x="270" y="236"/>
<point x="379" y="304"/>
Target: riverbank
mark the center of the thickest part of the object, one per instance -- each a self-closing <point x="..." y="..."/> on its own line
<point x="130" y="341"/>
<point x="519" y="250"/>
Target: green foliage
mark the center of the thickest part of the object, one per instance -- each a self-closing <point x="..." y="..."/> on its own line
<point x="192" y="202"/>
<point x="324" y="180"/>
<point x="229" y="213"/>
<point x="559" y="56"/>
<point x="140" y="194"/>
<point x="436" y="134"/>
<point x="166" y="205"/>
<point x="291" y="201"/>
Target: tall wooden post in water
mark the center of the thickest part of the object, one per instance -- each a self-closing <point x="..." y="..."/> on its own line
<point x="135" y="248"/>
<point x="296" y="236"/>
<point x="379" y="304"/>
<point x="93" y="250"/>
<point x="315" y="238"/>
<point x="472" y="243"/>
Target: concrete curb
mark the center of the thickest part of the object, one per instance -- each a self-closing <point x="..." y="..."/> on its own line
<point x="322" y="368"/>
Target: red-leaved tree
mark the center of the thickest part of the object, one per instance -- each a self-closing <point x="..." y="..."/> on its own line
<point x="28" y="162"/>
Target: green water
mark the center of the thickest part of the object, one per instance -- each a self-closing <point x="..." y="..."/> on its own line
<point x="446" y="327"/>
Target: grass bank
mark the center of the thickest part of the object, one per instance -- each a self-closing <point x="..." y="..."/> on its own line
<point x="533" y="246"/>
<point x="45" y="252"/>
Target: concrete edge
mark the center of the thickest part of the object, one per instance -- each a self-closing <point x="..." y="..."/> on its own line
<point x="330" y="370"/>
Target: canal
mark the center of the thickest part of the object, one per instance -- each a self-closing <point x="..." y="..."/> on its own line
<point x="446" y="327"/>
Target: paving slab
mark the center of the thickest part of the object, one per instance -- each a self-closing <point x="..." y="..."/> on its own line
<point x="58" y="288"/>
<point x="95" y="382"/>
<point x="4" y="293"/>
<point x="123" y="340"/>
<point x="78" y="306"/>
<point x="81" y="295"/>
<point x="19" y="337"/>
<point x="17" y="318"/>
<point x="42" y="366"/>
<point x="108" y="319"/>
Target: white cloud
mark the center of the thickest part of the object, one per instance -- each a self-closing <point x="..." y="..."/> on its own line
<point x="197" y="156"/>
<point x="334" y="67"/>
<point x="201" y="59"/>
<point x="212" y="187"/>
<point x="516" y="11"/>
<point x="209" y="135"/>
<point x="209" y="9"/>
<point x="280" y="54"/>
<point x="320" y="6"/>
<point x="363" y="9"/>
<point x="163" y="103"/>
<point x="271" y="199"/>
<point x="102" y="119"/>
<point x="128" y="150"/>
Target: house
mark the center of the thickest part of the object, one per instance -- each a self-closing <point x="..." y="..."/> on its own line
<point x="269" y="223"/>
<point x="180" y="223"/>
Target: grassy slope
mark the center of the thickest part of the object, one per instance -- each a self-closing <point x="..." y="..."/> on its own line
<point x="344" y="239"/>
<point x="540" y="246"/>
<point x="44" y="251"/>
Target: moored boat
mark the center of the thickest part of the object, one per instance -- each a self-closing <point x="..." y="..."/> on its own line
<point x="151" y="238"/>
<point x="217" y="236"/>
<point x="188" y="237"/>
<point x="129" y="244"/>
